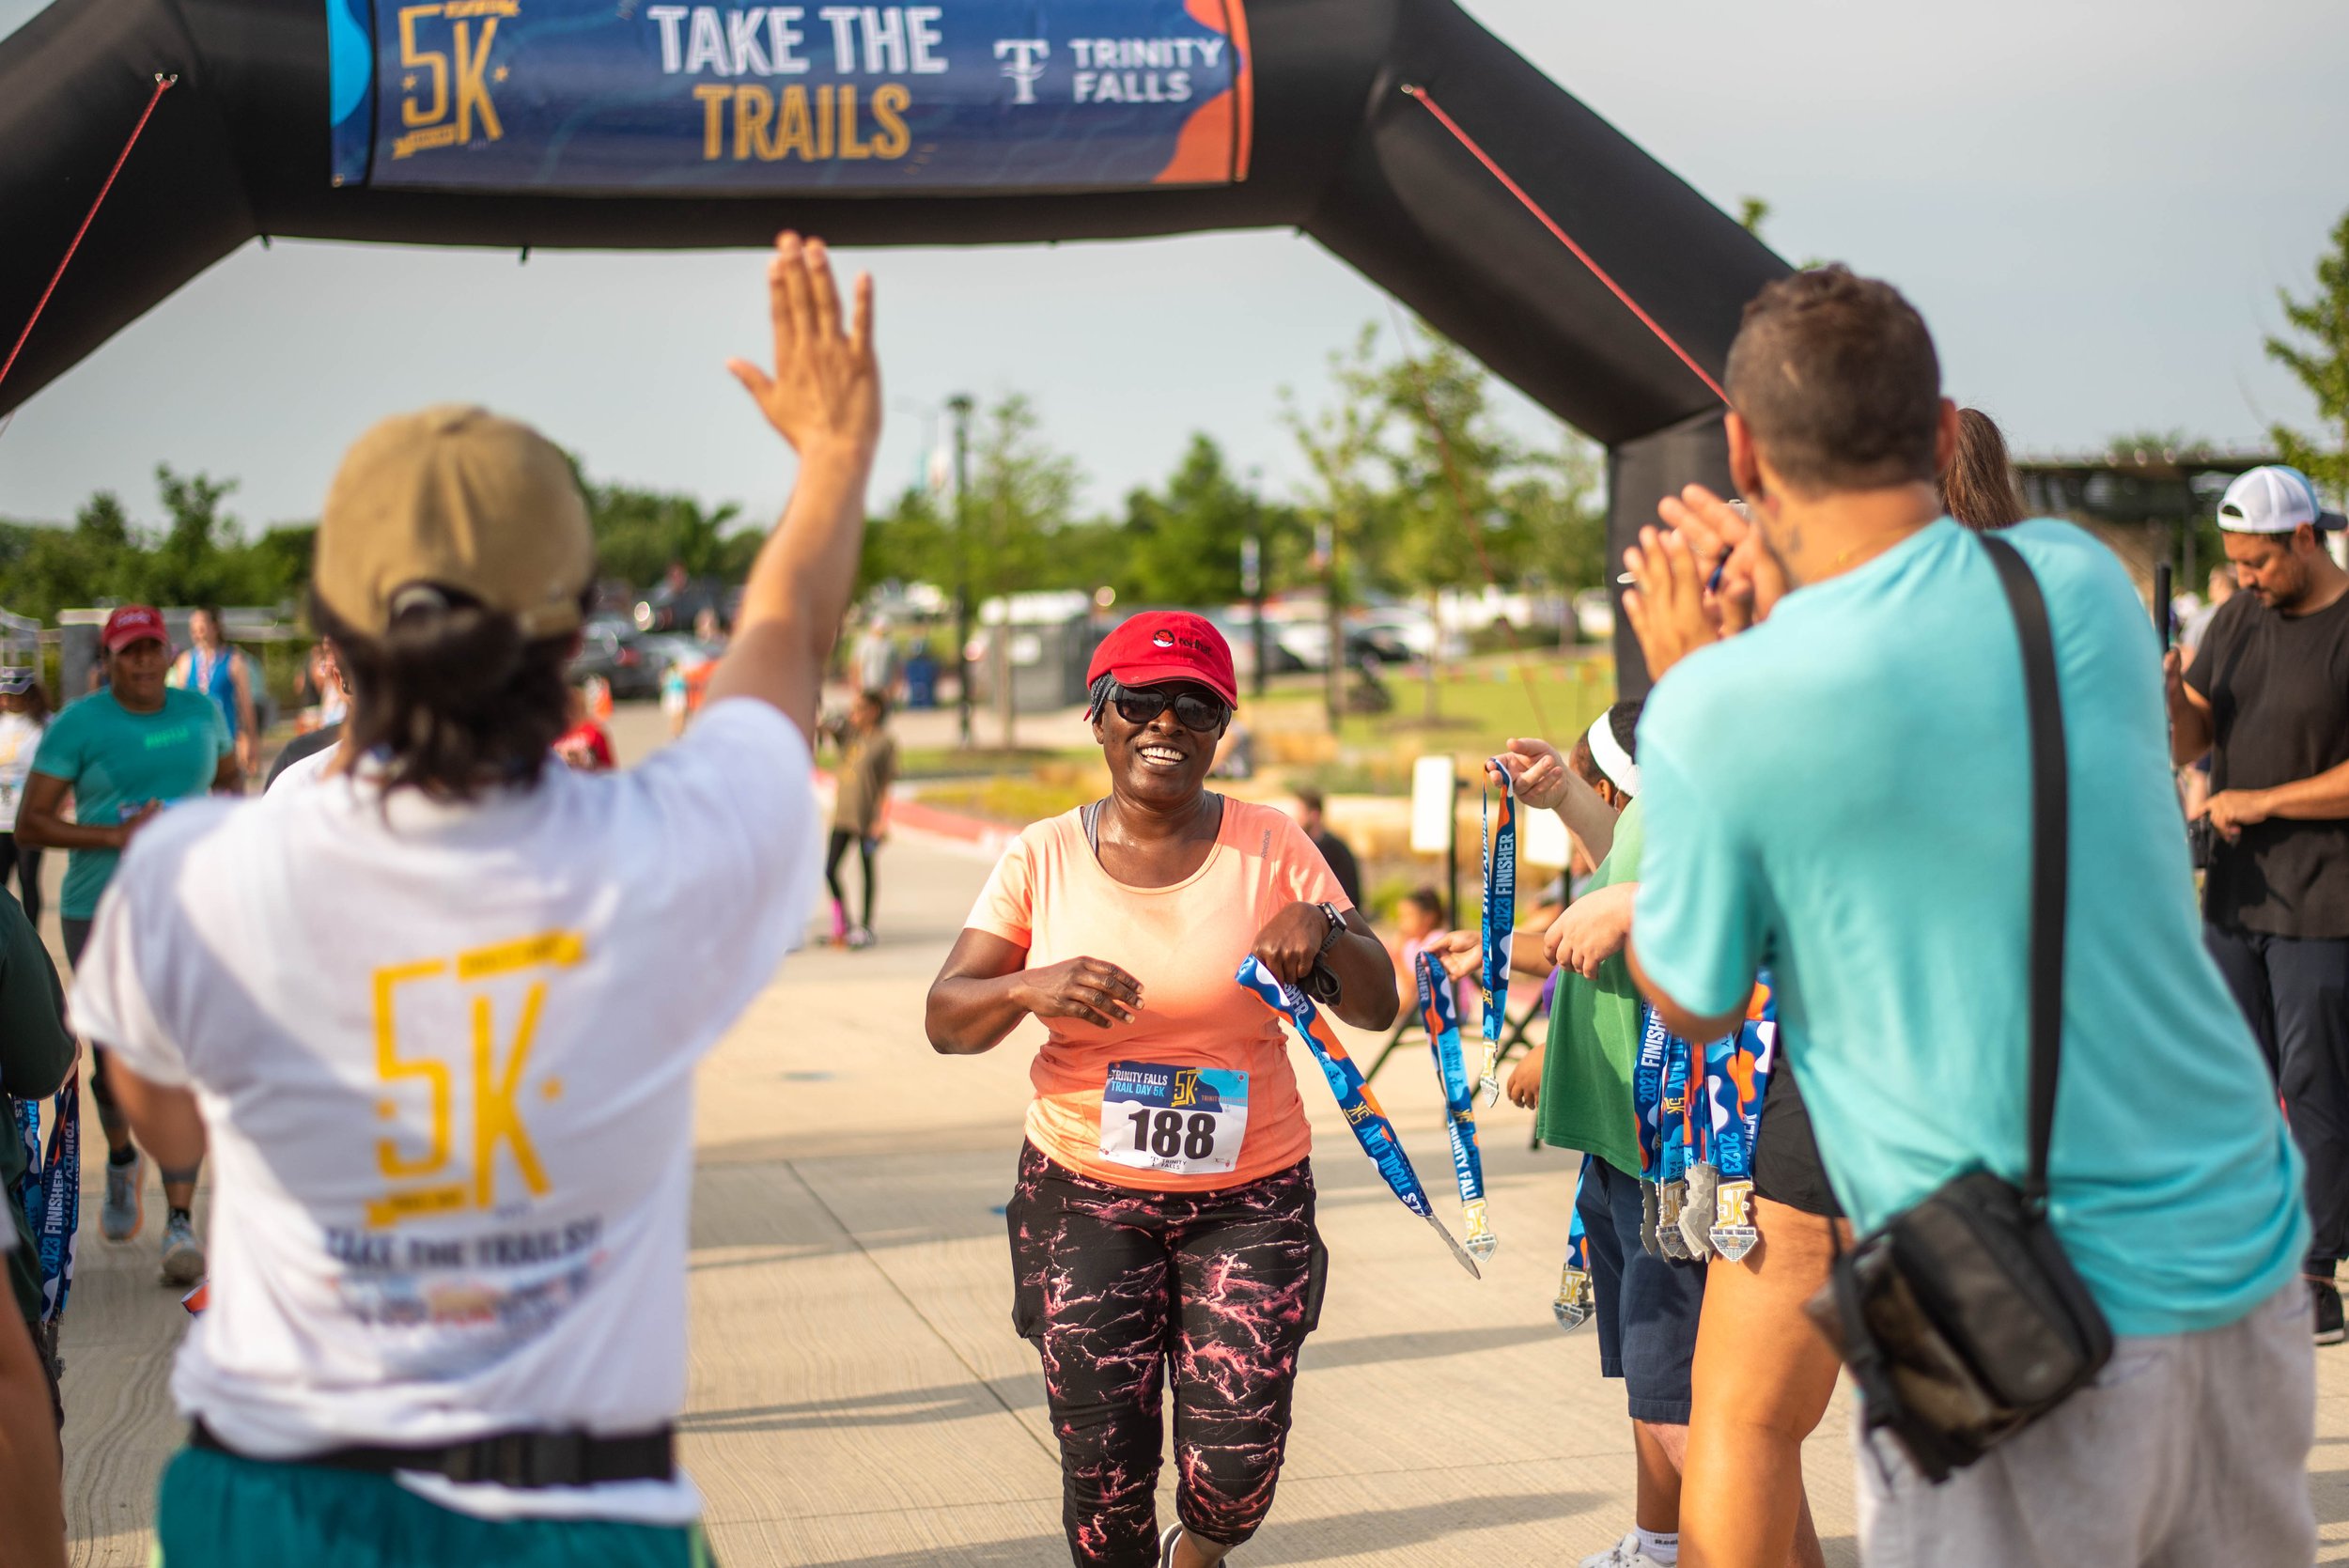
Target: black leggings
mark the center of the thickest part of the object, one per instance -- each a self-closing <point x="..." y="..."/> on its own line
<point x="25" y="861"/>
<point x="1112" y="1284"/>
<point x="841" y="839"/>
<point x="76" y="933"/>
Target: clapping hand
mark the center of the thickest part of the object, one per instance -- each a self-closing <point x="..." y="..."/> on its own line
<point x="1676" y="608"/>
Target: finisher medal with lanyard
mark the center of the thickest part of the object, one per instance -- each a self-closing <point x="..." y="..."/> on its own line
<point x="51" y="1194"/>
<point x="1576" y="1301"/>
<point x="1500" y="921"/>
<point x="1736" y="1080"/>
<point x="1371" y="1127"/>
<point x="1675" y="1146"/>
<point x="1437" y="1012"/>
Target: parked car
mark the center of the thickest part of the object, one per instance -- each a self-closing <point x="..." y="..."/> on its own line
<point x="676" y="602"/>
<point x="609" y="651"/>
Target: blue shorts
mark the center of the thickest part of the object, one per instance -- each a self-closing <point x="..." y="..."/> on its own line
<point x="1647" y="1305"/>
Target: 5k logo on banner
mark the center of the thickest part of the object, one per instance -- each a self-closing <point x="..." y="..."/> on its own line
<point x="424" y="1182"/>
<point x="443" y="98"/>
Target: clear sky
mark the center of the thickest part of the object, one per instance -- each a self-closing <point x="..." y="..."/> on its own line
<point x="2092" y="202"/>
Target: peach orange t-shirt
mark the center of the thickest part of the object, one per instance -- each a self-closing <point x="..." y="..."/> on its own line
<point x="1184" y="943"/>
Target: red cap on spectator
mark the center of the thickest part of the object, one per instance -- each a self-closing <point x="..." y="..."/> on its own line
<point x="1161" y="645"/>
<point x="132" y="623"/>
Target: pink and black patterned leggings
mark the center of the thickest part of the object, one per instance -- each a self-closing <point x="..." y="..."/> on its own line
<point x="1111" y="1282"/>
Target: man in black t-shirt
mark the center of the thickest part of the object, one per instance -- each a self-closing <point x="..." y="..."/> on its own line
<point x="2268" y="698"/>
<point x="1333" y="848"/>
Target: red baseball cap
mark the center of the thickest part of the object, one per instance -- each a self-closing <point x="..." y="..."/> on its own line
<point x="132" y="623"/>
<point x="1161" y="645"/>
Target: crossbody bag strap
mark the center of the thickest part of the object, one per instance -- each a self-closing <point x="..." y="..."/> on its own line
<point x="2050" y="835"/>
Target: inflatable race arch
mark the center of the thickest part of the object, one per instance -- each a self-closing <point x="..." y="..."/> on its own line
<point x="1399" y="134"/>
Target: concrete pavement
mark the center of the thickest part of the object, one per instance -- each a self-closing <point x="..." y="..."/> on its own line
<point x="859" y="1399"/>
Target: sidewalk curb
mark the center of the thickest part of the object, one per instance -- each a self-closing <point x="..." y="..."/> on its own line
<point x="910" y="814"/>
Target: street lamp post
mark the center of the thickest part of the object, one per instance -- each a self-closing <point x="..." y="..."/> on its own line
<point x="959" y="406"/>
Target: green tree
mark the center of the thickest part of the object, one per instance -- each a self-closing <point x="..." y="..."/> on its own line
<point x="1449" y="469"/>
<point x="2319" y="359"/>
<point x="1342" y="445"/>
<point x="639" y="532"/>
<point x="1020" y="514"/>
<point x="1558" y="497"/>
<point x="1183" y="544"/>
<point x="1752" y="212"/>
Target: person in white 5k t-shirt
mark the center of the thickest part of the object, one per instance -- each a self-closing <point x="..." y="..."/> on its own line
<point x="432" y="1013"/>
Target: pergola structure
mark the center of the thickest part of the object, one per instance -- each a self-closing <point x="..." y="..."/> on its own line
<point x="2148" y="503"/>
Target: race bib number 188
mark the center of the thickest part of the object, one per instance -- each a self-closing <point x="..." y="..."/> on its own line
<point x="1185" y="1121"/>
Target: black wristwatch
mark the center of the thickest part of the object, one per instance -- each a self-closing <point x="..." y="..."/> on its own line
<point x="1337" y="928"/>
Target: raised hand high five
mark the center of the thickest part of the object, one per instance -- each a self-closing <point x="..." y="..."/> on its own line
<point x="826" y="385"/>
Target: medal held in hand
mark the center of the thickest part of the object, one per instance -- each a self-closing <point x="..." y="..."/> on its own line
<point x="1500" y="921"/>
<point x="1442" y="1022"/>
<point x="1736" y="1080"/>
<point x="1576" y="1302"/>
<point x="1372" y="1129"/>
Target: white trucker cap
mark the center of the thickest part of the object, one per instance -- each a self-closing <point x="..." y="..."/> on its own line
<point x="2273" y="500"/>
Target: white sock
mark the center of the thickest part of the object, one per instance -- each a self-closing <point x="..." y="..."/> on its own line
<point x="1661" y="1547"/>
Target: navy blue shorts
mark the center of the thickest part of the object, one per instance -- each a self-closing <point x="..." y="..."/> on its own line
<point x="1647" y="1305"/>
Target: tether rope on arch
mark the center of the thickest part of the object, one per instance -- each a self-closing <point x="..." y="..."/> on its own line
<point x="163" y="84"/>
<point x="1427" y="101"/>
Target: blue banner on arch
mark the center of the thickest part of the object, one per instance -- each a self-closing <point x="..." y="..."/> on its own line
<point x="647" y="96"/>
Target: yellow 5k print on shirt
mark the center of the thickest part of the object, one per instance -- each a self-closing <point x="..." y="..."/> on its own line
<point x="496" y="1078"/>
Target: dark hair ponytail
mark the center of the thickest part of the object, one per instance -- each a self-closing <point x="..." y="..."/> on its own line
<point x="451" y="697"/>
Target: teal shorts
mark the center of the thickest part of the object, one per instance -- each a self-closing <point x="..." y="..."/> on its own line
<point x="216" y="1511"/>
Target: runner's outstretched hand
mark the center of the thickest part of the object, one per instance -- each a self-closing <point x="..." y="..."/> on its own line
<point x="824" y="398"/>
<point x="826" y="386"/>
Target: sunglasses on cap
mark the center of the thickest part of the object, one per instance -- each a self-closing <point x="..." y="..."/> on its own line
<point x="1139" y="705"/>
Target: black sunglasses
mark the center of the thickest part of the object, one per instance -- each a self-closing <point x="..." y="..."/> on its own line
<point x="1140" y="704"/>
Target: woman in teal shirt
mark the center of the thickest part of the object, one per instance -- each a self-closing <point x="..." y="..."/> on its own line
<point x="123" y="754"/>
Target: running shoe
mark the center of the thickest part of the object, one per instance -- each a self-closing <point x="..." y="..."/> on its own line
<point x="2327" y="1298"/>
<point x="859" y="938"/>
<point x="183" y="1255"/>
<point x="125" y="1209"/>
<point x="1625" y="1553"/>
<point x="1166" y="1545"/>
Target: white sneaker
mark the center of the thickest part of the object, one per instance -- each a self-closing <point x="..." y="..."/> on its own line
<point x="1625" y="1553"/>
<point x="1166" y="1544"/>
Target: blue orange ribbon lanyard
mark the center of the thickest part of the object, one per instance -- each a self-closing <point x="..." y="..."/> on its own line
<point x="1675" y="1149"/>
<point x="1372" y="1129"/>
<point x="1738" y="1080"/>
<point x="1576" y="1300"/>
<point x="1439" y="1015"/>
<point x="51" y="1193"/>
<point x="1500" y="845"/>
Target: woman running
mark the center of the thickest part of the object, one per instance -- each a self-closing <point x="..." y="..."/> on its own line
<point x="1163" y="1217"/>
<point x="433" y="1015"/>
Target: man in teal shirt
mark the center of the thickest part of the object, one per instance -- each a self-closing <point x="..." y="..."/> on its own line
<point x="1843" y="793"/>
<point x="122" y="754"/>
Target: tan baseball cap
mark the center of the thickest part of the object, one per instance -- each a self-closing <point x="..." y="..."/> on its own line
<point x="455" y="497"/>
